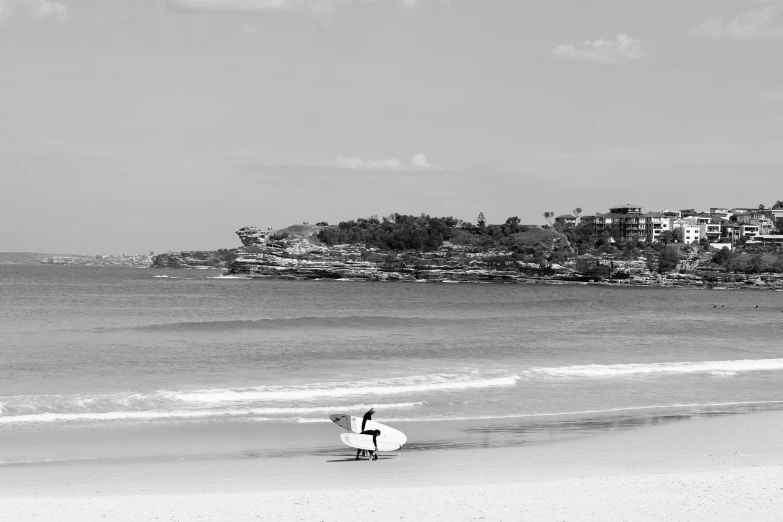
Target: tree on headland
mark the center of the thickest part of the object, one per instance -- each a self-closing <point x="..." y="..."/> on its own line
<point x="669" y="259"/>
<point x="481" y="220"/>
<point x="511" y="226"/>
<point x="577" y="211"/>
<point x="670" y="236"/>
<point x="549" y="216"/>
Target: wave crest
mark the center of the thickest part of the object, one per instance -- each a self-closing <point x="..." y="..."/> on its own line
<point x="284" y="323"/>
<point x="718" y="368"/>
<point x="419" y="384"/>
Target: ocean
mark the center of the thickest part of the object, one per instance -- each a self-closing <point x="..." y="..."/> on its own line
<point x="89" y="349"/>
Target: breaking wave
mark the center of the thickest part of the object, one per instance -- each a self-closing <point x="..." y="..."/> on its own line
<point x="55" y="409"/>
<point x="402" y="385"/>
<point x="717" y="368"/>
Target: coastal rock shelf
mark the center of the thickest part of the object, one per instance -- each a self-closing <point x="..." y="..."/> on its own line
<point x="302" y="259"/>
<point x="189" y="259"/>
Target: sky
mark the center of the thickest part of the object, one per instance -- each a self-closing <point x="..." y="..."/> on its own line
<point x="129" y="126"/>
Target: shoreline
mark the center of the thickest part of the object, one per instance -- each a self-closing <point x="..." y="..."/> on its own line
<point x="710" y="468"/>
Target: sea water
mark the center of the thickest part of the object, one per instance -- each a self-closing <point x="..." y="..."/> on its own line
<point x="96" y="347"/>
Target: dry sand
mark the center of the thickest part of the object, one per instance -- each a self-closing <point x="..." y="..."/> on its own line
<point x="721" y="468"/>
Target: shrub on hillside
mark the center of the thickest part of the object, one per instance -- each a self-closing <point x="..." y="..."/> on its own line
<point x="669" y="259"/>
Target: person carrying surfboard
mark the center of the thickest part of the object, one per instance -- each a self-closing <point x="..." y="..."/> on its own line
<point x="367" y="416"/>
<point x="375" y="434"/>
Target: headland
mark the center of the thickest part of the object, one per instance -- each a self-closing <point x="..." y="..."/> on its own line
<point x="425" y="249"/>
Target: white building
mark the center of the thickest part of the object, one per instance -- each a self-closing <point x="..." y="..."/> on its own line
<point x="691" y="229"/>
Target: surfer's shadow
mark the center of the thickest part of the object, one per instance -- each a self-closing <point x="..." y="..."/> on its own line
<point x="363" y="459"/>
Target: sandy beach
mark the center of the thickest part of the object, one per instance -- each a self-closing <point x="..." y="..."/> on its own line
<point x="710" y="468"/>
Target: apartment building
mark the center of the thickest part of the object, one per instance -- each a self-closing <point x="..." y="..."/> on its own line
<point x="748" y="230"/>
<point x="729" y="231"/>
<point x="691" y="229"/>
<point x="765" y="240"/>
<point x="656" y="222"/>
<point x="711" y="231"/>
<point x="763" y="219"/>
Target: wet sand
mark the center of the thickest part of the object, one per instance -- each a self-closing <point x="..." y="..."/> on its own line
<point x="702" y="468"/>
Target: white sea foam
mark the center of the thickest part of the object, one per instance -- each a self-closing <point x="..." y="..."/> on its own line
<point x="564" y="413"/>
<point x="121" y="415"/>
<point x="193" y="414"/>
<point x="723" y="368"/>
<point x="427" y="383"/>
<point x="315" y="409"/>
<point x="228" y="277"/>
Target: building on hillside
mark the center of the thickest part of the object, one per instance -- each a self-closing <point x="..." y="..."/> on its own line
<point x="761" y="218"/>
<point x="711" y="231"/>
<point x="748" y="231"/>
<point x="729" y="231"/>
<point x="566" y="220"/>
<point x="719" y="210"/>
<point x="655" y="223"/>
<point x="687" y="212"/>
<point x="691" y="230"/>
<point x="765" y="240"/>
<point x="627" y="223"/>
<point x="777" y="212"/>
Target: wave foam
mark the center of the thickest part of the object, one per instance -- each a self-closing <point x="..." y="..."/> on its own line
<point x="723" y="368"/>
<point x="30" y="416"/>
<point x="427" y="383"/>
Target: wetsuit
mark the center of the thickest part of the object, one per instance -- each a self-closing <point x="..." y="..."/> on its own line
<point x="374" y="436"/>
<point x="367" y="416"/>
<point x="374" y="441"/>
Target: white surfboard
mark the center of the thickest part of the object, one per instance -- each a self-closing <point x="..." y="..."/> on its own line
<point x="354" y="424"/>
<point x="354" y="440"/>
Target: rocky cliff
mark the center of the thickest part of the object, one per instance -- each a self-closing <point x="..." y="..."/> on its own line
<point x="305" y="258"/>
<point x="191" y="259"/>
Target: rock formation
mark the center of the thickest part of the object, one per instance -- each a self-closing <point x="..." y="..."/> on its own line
<point x="304" y="258"/>
<point x="250" y="236"/>
<point x="191" y="259"/>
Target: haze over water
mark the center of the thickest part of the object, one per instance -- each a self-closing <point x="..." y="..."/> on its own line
<point x="103" y="346"/>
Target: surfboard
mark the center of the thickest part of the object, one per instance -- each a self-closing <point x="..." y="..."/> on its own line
<point x="354" y="440"/>
<point x="354" y="424"/>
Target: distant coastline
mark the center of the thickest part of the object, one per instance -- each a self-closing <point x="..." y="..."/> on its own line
<point x="35" y="258"/>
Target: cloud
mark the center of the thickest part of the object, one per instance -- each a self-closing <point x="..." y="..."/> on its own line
<point x="417" y="162"/>
<point x="764" y="23"/>
<point x="34" y="10"/>
<point x="620" y="51"/>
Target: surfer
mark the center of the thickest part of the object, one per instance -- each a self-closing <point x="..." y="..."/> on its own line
<point x="367" y="416"/>
<point x="375" y="434"/>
